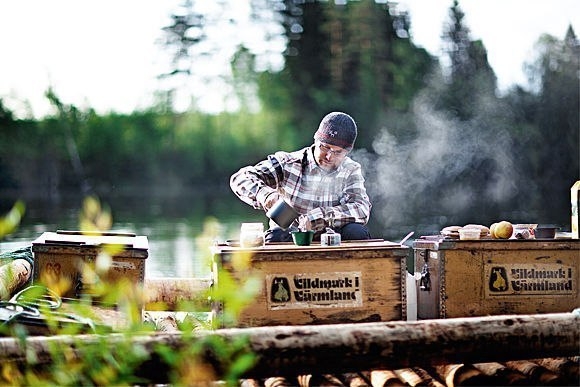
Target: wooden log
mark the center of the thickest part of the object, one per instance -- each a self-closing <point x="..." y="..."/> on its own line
<point x="176" y="293"/>
<point x="336" y="349"/>
<point x="417" y="377"/>
<point x="13" y="275"/>
<point x="568" y="368"/>
<point x="277" y="381"/>
<point x="402" y="344"/>
<point x="424" y="379"/>
<point x="249" y="383"/>
<point x="328" y="380"/>
<point x="385" y="378"/>
<point x="503" y="375"/>
<point x="356" y="379"/>
<point x="318" y="380"/>
<point x="461" y="375"/>
<point x="536" y="373"/>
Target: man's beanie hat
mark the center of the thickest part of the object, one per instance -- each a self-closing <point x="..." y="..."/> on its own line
<point x="338" y="129"/>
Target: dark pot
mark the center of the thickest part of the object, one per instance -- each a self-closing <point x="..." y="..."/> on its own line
<point x="545" y="232"/>
<point x="282" y="213"/>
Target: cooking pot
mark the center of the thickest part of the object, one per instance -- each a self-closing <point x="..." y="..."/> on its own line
<point x="282" y="213"/>
<point x="545" y="232"/>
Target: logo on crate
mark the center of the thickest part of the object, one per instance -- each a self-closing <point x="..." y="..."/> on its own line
<point x="530" y="279"/>
<point x="280" y="291"/>
<point x="314" y="290"/>
<point x="498" y="281"/>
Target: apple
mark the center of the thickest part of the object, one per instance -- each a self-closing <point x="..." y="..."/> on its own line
<point x="503" y="230"/>
<point x="492" y="230"/>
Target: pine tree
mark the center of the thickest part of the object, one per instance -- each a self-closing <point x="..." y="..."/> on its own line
<point x="471" y="77"/>
<point x="557" y="117"/>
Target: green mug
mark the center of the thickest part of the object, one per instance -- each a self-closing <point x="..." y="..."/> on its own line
<point x="302" y="238"/>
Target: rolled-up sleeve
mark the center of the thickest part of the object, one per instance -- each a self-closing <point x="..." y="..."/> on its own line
<point x="252" y="184"/>
<point x="355" y="205"/>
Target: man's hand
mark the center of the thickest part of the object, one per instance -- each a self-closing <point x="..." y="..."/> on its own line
<point x="271" y="200"/>
<point x="304" y="223"/>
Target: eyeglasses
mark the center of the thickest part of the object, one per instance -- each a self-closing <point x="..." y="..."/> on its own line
<point x="328" y="150"/>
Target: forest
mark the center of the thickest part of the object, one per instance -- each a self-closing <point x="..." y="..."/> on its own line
<point x="433" y="138"/>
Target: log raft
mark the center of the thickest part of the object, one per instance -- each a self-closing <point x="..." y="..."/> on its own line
<point x="13" y="275"/>
<point x="533" y="348"/>
<point x="329" y="349"/>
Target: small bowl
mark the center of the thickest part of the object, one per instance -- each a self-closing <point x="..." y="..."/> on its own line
<point x="302" y="238"/>
<point x="545" y="232"/>
<point x="469" y="234"/>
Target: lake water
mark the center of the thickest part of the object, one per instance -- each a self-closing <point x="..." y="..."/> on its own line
<point x="174" y="225"/>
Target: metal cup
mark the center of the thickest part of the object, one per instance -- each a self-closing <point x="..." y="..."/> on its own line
<point x="282" y="213"/>
<point x="330" y="238"/>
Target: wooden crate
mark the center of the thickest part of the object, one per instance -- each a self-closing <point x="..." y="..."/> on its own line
<point x="354" y="282"/>
<point x="493" y="277"/>
<point x="60" y="255"/>
<point x="575" y="206"/>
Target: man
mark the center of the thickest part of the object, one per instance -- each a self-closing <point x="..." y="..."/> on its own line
<point x="323" y="184"/>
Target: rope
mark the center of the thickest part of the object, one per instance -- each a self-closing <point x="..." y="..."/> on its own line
<point x="49" y="299"/>
<point x="25" y="305"/>
<point x="19" y="310"/>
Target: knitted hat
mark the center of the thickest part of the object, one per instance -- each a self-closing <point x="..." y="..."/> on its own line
<point x="338" y="129"/>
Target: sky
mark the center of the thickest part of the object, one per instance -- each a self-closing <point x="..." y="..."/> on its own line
<point x="105" y="54"/>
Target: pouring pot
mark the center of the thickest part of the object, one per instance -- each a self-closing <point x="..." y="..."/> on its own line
<point x="282" y="213"/>
<point x="545" y="232"/>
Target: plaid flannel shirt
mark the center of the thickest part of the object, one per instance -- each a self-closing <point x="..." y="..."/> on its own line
<point x="313" y="192"/>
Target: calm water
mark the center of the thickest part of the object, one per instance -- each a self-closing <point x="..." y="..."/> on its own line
<point x="174" y="225"/>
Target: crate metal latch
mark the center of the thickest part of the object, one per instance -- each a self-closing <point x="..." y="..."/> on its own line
<point x="425" y="280"/>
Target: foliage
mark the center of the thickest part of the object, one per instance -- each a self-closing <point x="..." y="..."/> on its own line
<point x="554" y="115"/>
<point x="187" y="30"/>
<point x="434" y="140"/>
<point x="10" y="221"/>
<point x="357" y="56"/>
<point x="202" y="359"/>
<point x="471" y="75"/>
<point x="466" y="152"/>
<point x="154" y="151"/>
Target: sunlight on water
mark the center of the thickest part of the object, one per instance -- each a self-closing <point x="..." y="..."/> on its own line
<point x="172" y="230"/>
<point x="173" y="247"/>
<point x="173" y="226"/>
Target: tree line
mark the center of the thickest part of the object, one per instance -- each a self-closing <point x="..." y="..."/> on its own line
<point x="431" y="136"/>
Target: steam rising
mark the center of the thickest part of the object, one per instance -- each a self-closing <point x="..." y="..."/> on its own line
<point x="448" y="171"/>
